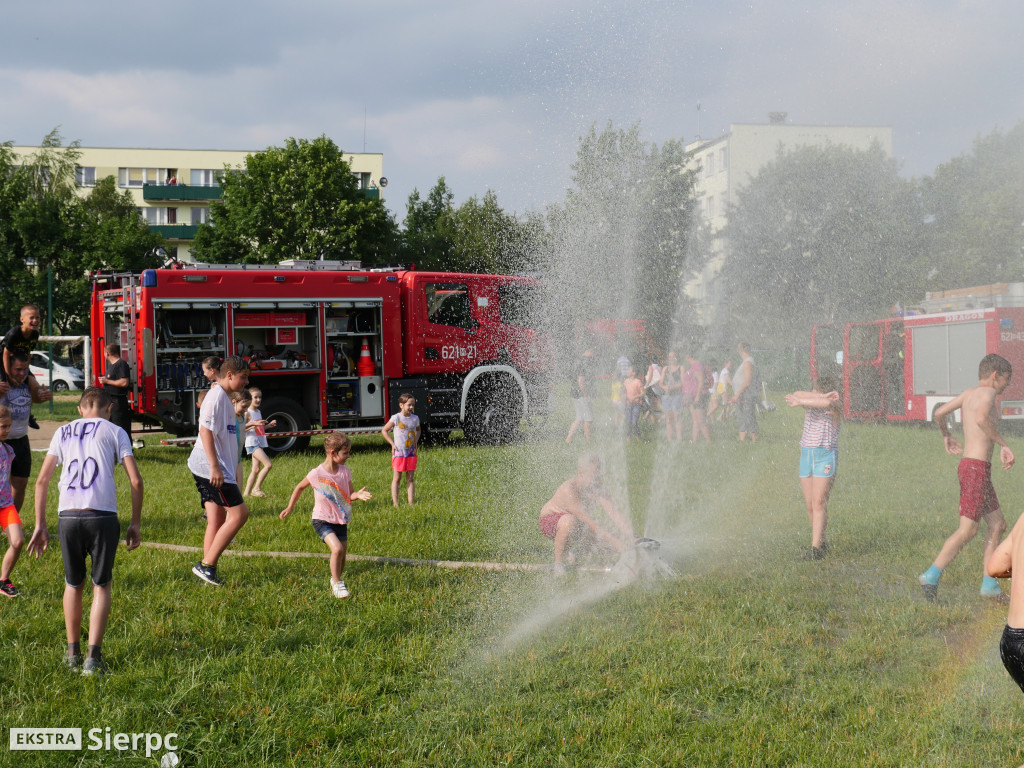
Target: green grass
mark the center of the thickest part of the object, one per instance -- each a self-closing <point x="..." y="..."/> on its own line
<point x="749" y="657"/>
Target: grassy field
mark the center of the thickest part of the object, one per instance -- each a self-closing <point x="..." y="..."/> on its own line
<point x="748" y="657"/>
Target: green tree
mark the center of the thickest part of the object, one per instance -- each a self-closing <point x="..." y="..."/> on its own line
<point x="47" y="230"/>
<point x="296" y="201"/>
<point x="617" y="248"/>
<point x="428" y="238"/>
<point x="821" y="234"/>
<point x="975" y="208"/>
<point x="478" y="236"/>
<point x="487" y="239"/>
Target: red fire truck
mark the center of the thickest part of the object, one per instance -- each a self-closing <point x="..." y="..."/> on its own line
<point x="331" y="345"/>
<point x="903" y="368"/>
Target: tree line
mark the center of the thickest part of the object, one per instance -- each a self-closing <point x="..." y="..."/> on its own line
<point x="820" y="234"/>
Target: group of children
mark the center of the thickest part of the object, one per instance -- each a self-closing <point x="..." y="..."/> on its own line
<point x="230" y="421"/>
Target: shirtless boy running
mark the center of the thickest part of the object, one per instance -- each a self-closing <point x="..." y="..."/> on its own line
<point x="977" y="496"/>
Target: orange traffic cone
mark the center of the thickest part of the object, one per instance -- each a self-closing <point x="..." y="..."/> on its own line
<point x="366" y="366"/>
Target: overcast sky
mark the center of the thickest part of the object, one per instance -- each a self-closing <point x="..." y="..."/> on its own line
<point x="496" y="95"/>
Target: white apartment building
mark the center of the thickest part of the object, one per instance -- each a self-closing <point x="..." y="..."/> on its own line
<point x="724" y="164"/>
<point x="173" y="188"/>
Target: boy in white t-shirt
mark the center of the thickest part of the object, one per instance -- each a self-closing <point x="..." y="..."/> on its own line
<point x="88" y="449"/>
<point x="214" y="462"/>
<point x="332" y="503"/>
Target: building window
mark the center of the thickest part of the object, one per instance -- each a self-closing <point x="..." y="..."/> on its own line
<point x="85" y="177"/>
<point x="205" y="177"/>
<point x="723" y="159"/>
<point x="723" y="204"/>
<point x="139" y="177"/>
<point x="200" y="215"/>
<point x="710" y="207"/>
<point x="709" y="164"/>
<point x="156" y="215"/>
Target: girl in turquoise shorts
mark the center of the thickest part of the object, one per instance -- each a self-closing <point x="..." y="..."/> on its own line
<point x="819" y="454"/>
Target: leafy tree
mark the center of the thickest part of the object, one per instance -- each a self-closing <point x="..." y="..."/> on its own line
<point x="428" y="240"/>
<point x="975" y="207"/>
<point x="617" y="248"/>
<point x="119" y="238"/>
<point x="48" y="231"/>
<point x="478" y="236"/>
<point x="296" y="201"/>
<point x="820" y="234"/>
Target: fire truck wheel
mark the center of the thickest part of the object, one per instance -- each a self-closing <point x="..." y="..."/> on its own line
<point x="290" y="418"/>
<point x="951" y="423"/>
<point x="493" y="415"/>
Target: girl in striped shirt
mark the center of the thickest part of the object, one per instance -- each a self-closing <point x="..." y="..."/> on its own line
<point x="819" y="454"/>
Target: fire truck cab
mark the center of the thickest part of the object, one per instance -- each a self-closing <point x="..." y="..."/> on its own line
<point x="330" y="345"/>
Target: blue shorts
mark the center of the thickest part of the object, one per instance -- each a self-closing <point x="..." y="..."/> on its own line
<point x="818" y="462"/>
<point x="324" y="529"/>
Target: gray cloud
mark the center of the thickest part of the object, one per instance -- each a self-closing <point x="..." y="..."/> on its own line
<point x="495" y="96"/>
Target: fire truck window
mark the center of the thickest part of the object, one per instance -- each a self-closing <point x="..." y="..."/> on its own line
<point x="448" y="304"/>
<point x="517" y="305"/>
<point x="864" y="342"/>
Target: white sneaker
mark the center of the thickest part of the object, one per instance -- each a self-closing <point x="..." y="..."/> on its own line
<point x="339" y="589"/>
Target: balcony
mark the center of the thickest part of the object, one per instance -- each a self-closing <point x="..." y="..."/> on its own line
<point x="370" y="193"/>
<point x="175" y="231"/>
<point x="156" y="192"/>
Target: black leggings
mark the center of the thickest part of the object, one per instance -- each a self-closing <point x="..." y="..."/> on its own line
<point x="1011" y="650"/>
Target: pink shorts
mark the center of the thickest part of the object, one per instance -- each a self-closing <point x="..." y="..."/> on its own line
<point x="403" y="463"/>
<point x="9" y="516"/>
<point x="977" y="496"/>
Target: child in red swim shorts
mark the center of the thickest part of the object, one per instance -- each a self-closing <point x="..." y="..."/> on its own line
<point x="977" y="495"/>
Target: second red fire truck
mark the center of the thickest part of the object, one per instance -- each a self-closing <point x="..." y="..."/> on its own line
<point x="331" y="345"/>
<point x="902" y="368"/>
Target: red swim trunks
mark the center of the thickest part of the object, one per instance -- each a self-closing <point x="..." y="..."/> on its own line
<point x="549" y="523"/>
<point x="977" y="495"/>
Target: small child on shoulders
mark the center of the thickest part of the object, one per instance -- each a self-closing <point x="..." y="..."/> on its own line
<point x="332" y="503"/>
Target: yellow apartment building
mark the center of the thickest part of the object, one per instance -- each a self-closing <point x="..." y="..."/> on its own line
<point x="173" y="188"/>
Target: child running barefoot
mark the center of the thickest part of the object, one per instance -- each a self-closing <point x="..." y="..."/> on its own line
<point x="240" y="401"/>
<point x="10" y="522"/>
<point x="406" y="425"/>
<point x="332" y="503"/>
<point x="819" y="455"/>
<point x="256" y="445"/>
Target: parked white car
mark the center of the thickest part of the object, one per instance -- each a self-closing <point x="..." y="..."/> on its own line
<point x="65" y="375"/>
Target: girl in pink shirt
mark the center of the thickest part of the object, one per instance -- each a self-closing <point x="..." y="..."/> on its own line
<point x="332" y="503"/>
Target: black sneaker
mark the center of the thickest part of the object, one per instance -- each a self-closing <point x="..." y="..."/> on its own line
<point x="814" y="553"/>
<point x="8" y="589"/>
<point x="32" y="421"/>
<point x="207" y="573"/>
<point x="94" y="667"/>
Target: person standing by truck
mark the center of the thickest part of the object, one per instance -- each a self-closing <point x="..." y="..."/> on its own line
<point x="116" y="383"/>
